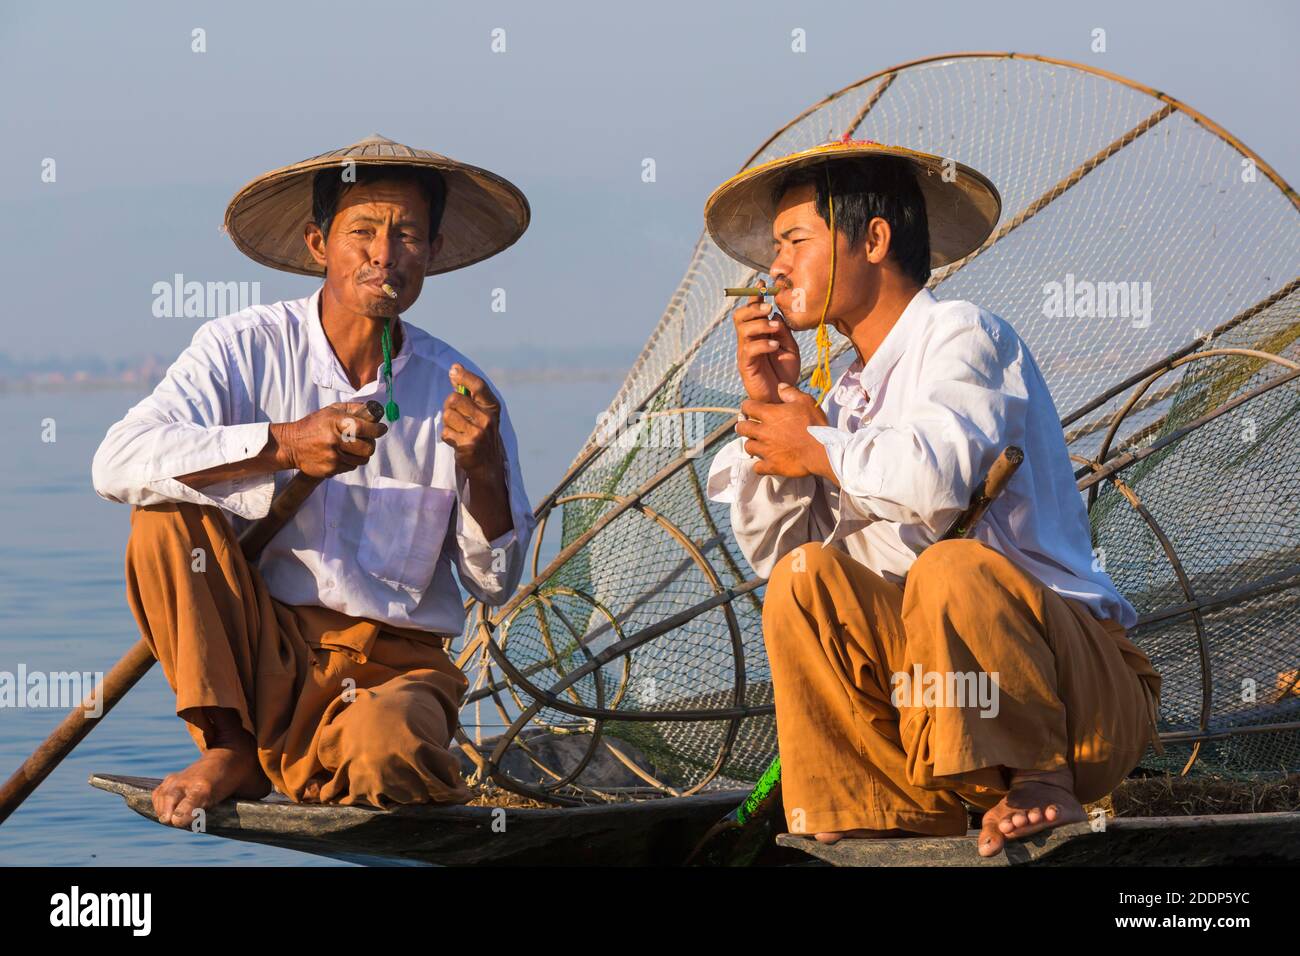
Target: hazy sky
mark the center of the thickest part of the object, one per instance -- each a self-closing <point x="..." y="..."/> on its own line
<point x="151" y="139"/>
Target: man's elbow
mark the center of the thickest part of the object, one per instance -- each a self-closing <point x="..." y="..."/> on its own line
<point x="105" y="476"/>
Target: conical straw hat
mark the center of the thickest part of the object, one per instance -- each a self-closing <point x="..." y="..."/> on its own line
<point x="961" y="205"/>
<point x="484" y="213"/>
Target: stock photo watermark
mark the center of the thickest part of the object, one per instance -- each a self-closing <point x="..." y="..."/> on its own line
<point x="1084" y="299"/>
<point x="191" y="299"/>
<point x="976" y="690"/>
<point x="63" y="690"/>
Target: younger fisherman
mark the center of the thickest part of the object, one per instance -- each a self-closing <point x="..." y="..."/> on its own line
<point x="321" y="671"/>
<point x="912" y="677"/>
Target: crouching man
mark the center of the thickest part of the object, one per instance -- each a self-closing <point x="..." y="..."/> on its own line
<point x="321" y="670"/>
<point x="912" y="678"/>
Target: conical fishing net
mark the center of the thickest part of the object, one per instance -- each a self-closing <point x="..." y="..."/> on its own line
<point x="1132" y="230"/>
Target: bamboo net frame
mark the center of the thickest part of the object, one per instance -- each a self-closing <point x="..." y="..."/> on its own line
<point x="641" y="634"/>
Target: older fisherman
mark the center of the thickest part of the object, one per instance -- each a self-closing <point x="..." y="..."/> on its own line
<point x="913" y="677"/>
<point x="322" y="671"/>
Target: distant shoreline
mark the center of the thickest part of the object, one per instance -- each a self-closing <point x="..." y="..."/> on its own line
<point x="63" y="382"/>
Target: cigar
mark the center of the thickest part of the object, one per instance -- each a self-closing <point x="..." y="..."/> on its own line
<point x="389" y="291"/>
<point x="749" y="290"/>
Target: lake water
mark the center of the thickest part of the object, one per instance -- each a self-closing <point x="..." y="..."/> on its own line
<point x="62" y="608"/>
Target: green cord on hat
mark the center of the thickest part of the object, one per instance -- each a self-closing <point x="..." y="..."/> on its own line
<point x="390" y="409"/>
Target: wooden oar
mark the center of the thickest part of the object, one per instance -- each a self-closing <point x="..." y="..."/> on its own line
<point x="739" y="837"/>
<point x="137" y="661"/>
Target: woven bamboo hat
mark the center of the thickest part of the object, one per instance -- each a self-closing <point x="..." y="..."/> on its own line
<point x="484" y="213"/>
<point x="961" y="213"/>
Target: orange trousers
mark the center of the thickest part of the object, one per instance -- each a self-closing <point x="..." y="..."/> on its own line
<point x="363" y="710"/>
<point x="895" y="705"/>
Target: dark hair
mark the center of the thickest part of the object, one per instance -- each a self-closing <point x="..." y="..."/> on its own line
<point x="867" y="187"/>
<point x="329" y="184"/>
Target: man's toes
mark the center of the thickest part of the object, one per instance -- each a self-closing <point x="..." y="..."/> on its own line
<point x="166" y="802"/>
<point x="991" y="841"/>
<point x="160" y="793"/>
<point x="196" y="796"/>
<point x="184" y="813"/>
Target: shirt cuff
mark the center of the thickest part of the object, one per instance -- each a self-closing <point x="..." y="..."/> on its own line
<point x="241" y="442"/>
<point x="731" y="467"/>
<point x="197" y="448"/>
<point x="481" y="558"/>
<point x="249" y="497"/>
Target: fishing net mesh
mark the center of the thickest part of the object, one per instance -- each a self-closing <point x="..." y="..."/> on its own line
<point x="1129" y="230"/>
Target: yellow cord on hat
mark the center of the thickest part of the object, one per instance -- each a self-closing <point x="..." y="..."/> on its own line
<point x="821" y="376"/>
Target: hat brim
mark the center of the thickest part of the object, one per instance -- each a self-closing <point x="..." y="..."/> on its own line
<point x="961" y="205"/>
<point x="484" y="214"/>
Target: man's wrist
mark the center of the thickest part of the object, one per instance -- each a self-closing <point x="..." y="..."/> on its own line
<point x="280" y="445"/>
<point x="490" y="474"/>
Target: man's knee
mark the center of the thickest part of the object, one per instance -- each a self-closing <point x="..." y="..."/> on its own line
<point x="149" y="523"/>
<point x="955" y="568"/>
<point x="157" y="529"/>
<point x="805" y="564"/>
<point x="955" y="556"/>
<point x="395" y="719"/>
<point x="388" y="747"/>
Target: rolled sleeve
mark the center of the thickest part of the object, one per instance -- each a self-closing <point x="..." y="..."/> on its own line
<point x="247" y="497"/>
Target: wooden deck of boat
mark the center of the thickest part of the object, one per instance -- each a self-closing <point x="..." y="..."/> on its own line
<point x="644" y="833"/>
<point x="662" y="832"/>
<point x="1257" y="839"/>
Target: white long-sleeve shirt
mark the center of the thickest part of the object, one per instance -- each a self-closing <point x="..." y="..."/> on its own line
<point x="373" y="542"/>
<point x="910" y="436"/>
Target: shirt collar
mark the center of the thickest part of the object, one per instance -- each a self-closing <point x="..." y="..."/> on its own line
<point x="886" y="356"/>
<point x="326" y="369"/>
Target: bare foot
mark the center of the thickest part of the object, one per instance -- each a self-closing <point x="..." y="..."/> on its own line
<point x="229" y="767"/>
<point x="1038" y="800"/>
<point x="835" y="836"/>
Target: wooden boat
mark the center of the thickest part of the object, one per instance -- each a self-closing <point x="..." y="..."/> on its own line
<point x="1227" y="839"/>
<point x="661" y="832"/>
<point x="652" y="832"/>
